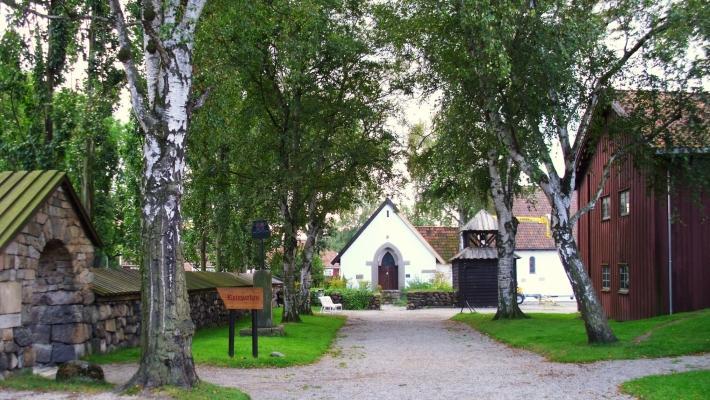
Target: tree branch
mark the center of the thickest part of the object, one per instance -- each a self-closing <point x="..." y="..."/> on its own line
<point x="27" y="9"/>
<point x="197" y="103"/>
<point x="600" y="187"/>
<point x="144" y="117"/>
<point x="603" y="80"/>
<point x="193" y="10"/>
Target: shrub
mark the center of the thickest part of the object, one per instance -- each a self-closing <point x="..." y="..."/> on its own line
<point x="352" y="299"/>
<point x="438" y="284"/>
<point x="441" y="284"/>
<point x="417" y="284"/>
<point x="337" y="283"/>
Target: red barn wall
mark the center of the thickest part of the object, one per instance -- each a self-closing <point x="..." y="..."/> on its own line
<point x="641" y="240"/>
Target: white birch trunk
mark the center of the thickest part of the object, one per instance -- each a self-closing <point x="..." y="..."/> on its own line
<point x="505" y="240"/>
<point x="166" y="329"/>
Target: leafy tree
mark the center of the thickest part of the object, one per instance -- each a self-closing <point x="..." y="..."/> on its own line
<point x="536" y="73"/>
<point x="311" y="114"/>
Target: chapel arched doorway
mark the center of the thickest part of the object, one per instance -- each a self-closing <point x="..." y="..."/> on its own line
<point x="388" y="273"/>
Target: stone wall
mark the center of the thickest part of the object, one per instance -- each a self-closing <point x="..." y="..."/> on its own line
<point x="45" y="288"/>
<point x="117" y="321"/>
<point x="417" y="300"/>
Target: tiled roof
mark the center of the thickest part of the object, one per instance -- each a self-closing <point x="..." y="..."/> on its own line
<point x="444" y="239"/>
<point x="21" y="192"/>
<point x="327" y="256"/>
<point x="117" y="282"/>
<point x="533" y="235"/>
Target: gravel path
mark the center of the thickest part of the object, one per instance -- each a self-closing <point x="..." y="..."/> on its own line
<point x="398" y="354"/>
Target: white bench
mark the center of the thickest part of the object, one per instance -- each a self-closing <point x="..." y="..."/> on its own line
<point x="326" y="304"/>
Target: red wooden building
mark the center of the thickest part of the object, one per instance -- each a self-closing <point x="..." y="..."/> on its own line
<point x="625" y="241"/>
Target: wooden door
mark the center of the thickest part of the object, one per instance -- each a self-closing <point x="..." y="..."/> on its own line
<point x="387" y="276"/>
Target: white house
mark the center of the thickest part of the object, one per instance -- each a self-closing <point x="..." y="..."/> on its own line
<point x="539" y="269"/>
<point x="388" y="251"/>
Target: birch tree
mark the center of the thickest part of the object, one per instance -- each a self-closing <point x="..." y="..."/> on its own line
<point x="162" y="108"/>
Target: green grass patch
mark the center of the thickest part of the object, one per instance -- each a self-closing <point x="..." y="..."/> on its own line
<point x="29" y="382"/>
<point x="693" y="385"/>
<point x="561" y="337"/>
<point x="204" y="391"/>
<point x="36" y="383"/>
<point x="304" y="343"/>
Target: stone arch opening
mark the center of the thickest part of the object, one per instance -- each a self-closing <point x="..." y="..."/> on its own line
<point x="390" y="254"/>
<point x="54" y="272"/>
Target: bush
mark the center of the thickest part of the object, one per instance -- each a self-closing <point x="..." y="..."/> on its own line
<point x="438" y="284"/>
<point x="336" y="283"/>
<point x="417" y="284"/>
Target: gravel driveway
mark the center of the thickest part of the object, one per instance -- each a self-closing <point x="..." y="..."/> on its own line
<point x="399" y="354"/>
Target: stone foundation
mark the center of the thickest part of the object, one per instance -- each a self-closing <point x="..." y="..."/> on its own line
<point x="390" y="296"/>
<point x="416" y="300"/>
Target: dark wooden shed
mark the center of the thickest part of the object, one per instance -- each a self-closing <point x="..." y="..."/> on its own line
<point x="475" y="276"/>
<point x="475" y="268"/>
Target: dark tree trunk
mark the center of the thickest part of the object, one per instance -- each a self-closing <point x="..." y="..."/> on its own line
<point x="304" y="304"/>
<point x="203" y="250"/>
<point x="290" y="313"/>
<point x="503" y="194"/>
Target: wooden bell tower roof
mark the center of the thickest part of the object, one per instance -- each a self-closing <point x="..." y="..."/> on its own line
<point x="483" y="221"/>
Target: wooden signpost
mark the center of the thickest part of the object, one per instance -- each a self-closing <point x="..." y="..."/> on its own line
<point x="243" y="298"/>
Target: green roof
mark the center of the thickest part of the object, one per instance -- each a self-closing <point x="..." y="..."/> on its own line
<point x="22" y="192"/>
<point x="116" y="282"/>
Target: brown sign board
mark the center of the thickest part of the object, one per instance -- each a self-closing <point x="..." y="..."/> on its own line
<point x="242" y="298"/>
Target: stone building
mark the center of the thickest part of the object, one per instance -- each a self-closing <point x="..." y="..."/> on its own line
<point x="54" y="307"/>
<point x="47" y="248"/>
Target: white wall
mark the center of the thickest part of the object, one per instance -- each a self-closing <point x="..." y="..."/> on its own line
<point x="549" y="278"/>
<point x="359" y="259"/>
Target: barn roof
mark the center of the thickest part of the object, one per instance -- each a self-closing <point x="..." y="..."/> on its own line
<point x="22" y="192"/>
<point x="117" y="282"/>
<point x="444" y="239"/>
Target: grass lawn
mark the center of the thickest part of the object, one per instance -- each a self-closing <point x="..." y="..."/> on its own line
<point x="693" y="385"/>
<point x="304" y="343"/>
<point x="27" y="381"/>
<point x="561" y="337"/>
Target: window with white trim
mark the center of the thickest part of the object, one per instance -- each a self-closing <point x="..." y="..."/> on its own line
<point x="606" y="208"/>
<point x="624" y="203"/>
<point x="623" y="277"/>
<point x="606" y="277"/>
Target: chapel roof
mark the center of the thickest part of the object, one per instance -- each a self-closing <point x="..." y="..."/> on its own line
<point x="388" y="202"/>
<point x="444" y="239"/>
